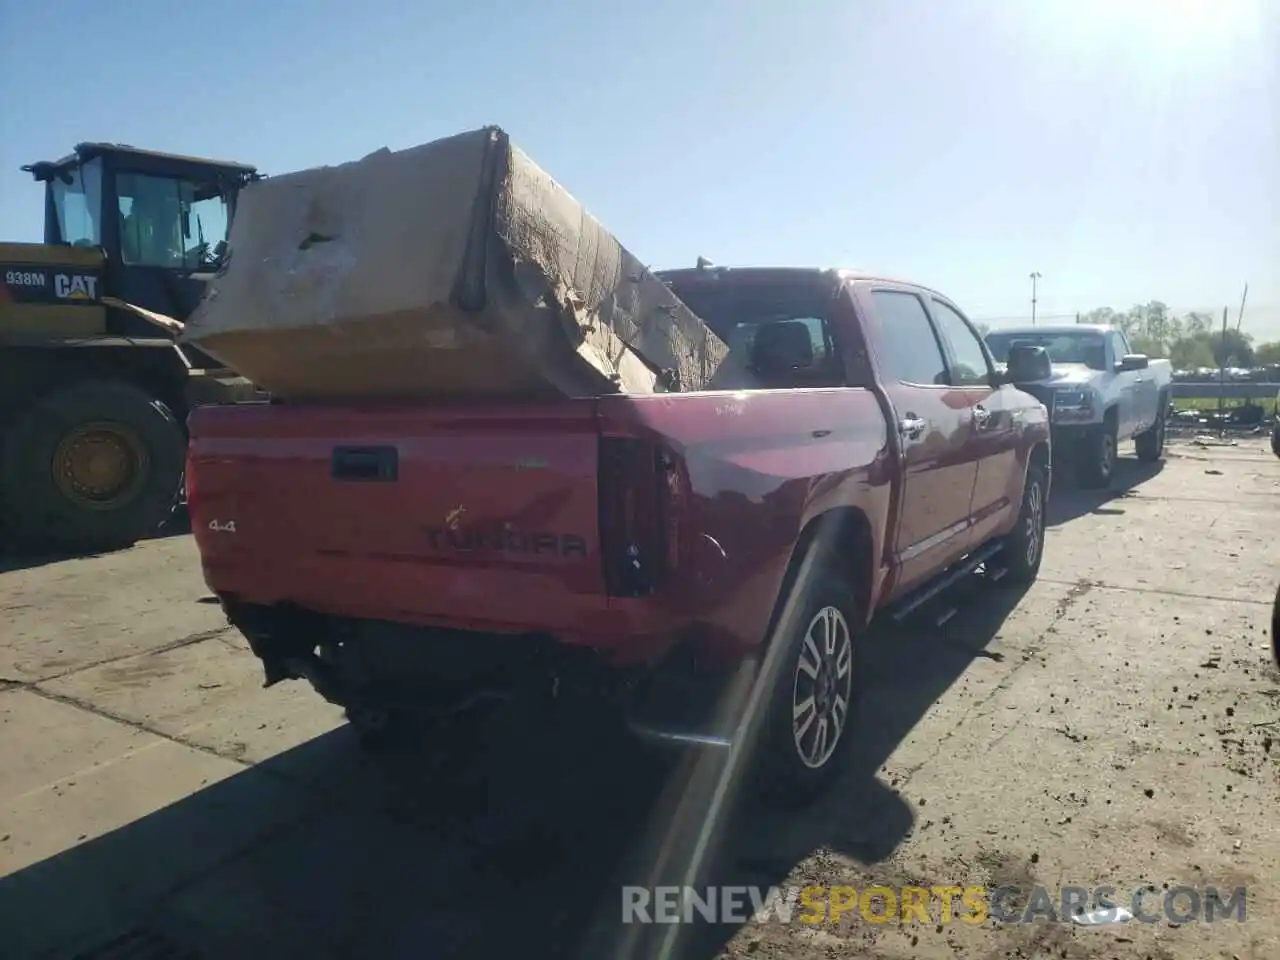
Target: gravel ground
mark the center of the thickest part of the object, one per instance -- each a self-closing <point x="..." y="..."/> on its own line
<point x="1118" y="724"/>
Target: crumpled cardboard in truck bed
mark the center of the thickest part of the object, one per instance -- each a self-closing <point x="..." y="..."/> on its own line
<point x="454" y="269"/>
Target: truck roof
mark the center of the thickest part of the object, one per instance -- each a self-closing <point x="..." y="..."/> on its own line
<point x="784" y="273"/>
<point x="1058" y="329"/>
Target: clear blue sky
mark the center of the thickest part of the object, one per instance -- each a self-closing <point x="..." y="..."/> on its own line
<point x="1126" y="149"/>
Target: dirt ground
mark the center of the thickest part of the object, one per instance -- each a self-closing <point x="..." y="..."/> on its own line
<point x="1118" y="724"/>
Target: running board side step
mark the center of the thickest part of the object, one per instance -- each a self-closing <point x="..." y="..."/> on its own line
<point x="918" y="597"/>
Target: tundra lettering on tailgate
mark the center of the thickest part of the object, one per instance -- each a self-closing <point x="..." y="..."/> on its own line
<point x="508" y="539"/>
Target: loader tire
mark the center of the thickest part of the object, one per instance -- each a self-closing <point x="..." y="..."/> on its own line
<point x="93" y="466"/>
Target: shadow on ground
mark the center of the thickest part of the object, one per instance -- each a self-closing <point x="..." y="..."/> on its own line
<point x="505" y="838"/>
<point x="15" y="557"/>
<point x="1069" y="501"/>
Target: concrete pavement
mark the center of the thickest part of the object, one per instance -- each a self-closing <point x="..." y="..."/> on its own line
<point x="1118" y="723"/>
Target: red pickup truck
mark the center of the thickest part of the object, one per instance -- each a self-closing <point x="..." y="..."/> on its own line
<point x="857" y="452"/>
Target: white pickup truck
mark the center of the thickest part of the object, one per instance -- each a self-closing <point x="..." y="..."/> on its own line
<point x="1098" y="394"/>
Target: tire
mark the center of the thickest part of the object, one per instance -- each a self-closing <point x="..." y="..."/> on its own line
<point x="1275" y="631"/>
<point x="1024" y="547"/>
<point x="1097" y="457"/>
<point x="1150" y="443"/>
<point x="53" y="449"/>
<point x="790" y="766"/>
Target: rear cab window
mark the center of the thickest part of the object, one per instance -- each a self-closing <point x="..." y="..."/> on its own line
<point x="778" y="327"/>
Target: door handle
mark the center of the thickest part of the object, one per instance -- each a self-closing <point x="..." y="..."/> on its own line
<point x="911" y="426"/>
<point x="1139" y="379"/>
<point x="981" y="415"/>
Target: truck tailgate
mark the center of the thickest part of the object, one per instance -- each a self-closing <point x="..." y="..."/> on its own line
<point x="437" y="515"/>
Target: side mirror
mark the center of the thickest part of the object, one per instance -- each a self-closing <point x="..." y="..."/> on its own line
<point x="1133" y="361"/>
<point x="1027" y="364"/>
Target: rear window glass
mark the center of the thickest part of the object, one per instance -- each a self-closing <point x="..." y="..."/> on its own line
<point x="739" y="311"/>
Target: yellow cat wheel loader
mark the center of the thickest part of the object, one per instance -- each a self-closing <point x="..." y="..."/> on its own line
<point x="94" y="392"/>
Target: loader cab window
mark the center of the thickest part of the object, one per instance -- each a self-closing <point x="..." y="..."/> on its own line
<point x="170" y="223"/>
<point x="78" y="205"/>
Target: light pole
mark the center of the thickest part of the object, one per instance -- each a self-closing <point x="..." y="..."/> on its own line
<point x="1035" y="275"/>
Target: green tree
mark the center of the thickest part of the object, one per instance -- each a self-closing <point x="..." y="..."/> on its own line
<point x="1191" y="353"/>
<point x="1102" y="315"/>
<point x="1132" y="321"/>
<point x="1266" y="354"/>
<point x="1151" y="346"/>
<point x="1188" y="341"/>
<point x="1234" y="349"/>
<point x="1196" y="322"/>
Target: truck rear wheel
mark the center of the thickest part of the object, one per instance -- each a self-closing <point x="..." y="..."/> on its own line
<point x="94" y="466"/>
<point x="810" y="713"/>
<point x="1150" y="443"/>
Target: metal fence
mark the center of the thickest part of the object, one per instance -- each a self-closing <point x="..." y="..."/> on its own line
<point x="1236" y="390"/>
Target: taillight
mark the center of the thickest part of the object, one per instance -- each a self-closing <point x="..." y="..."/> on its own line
<point x="635" y="516"/>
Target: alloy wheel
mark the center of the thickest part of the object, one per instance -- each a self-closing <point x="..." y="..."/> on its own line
<point x="822" y="688"/>
<point x="1034" y="523"/>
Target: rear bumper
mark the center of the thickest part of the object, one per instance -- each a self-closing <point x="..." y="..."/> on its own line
<point x="620" y="631"/>
<point x="355" y="663"/>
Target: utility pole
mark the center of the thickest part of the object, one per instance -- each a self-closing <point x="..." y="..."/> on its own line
<point x="1035" y="275"/>
<point x="1222" y="374"/>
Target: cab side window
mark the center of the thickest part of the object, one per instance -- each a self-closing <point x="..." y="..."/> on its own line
<point x="969" y="366"/>
<point x="909" y="349"/>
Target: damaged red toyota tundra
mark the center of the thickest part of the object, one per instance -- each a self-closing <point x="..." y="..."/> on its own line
<point x="857" y="452"/>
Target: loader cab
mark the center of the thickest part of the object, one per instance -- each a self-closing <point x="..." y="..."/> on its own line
<point x="160" y="220"/>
